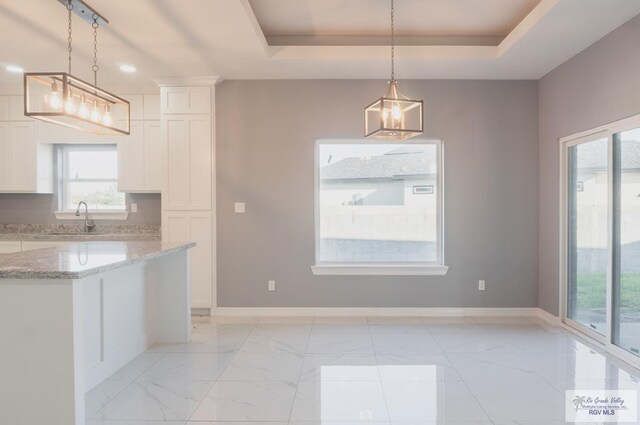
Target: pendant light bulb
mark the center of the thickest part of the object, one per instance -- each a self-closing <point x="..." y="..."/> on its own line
<point x="83" y="110"/>
<point x="55" y="101"/>
<point x="106" y="118"/>
<point x="69" y="104"/>
<point x="95" y="112"/>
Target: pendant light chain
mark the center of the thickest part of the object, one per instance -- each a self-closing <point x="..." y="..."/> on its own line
<point x="393" y="44"/>
<point x="95" y="66"/>
<point x="69" y="48"/>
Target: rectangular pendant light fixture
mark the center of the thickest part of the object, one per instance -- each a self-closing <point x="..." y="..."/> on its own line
<point x="60" y="98"/>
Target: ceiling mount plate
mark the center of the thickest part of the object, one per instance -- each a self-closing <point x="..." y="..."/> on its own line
<point x="85" y="11"/>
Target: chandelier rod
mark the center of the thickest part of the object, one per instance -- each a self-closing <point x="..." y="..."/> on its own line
<point x="69" y="48"/>
<point x="393" y="44"/>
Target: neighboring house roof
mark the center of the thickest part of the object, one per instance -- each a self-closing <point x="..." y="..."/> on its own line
<point x="594" y="155"/>
<point x="402" y="162"/>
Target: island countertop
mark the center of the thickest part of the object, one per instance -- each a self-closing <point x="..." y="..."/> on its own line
<point x="79" y="260"/>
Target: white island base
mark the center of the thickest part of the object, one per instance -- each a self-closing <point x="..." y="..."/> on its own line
<point x="63" y="336"/>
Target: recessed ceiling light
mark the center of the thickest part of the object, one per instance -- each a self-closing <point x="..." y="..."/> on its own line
<point x="15" y="69"/>
<point x="128" y="68"/>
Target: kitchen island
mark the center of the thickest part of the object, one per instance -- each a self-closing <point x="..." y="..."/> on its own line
<point x="71" y="316"/>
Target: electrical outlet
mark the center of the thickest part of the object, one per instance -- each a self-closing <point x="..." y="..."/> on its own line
<point x="481" y="285"/>
<point x="239" y="208"/>
<point x="272" y="285"/>
<point x="134" y="208"/>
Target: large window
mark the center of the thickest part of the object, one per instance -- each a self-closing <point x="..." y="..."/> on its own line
<point x="89" y="173"/>
<point x="378" y="207"/>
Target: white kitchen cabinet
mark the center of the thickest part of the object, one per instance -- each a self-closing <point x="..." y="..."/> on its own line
<point x="151" y="106"/>
<point x="54" y="133"/>
<point x="136" y="106"/>
<point x="141" y="158"/>
<point x="185" y="100"/>
<point x="16" y="109"/>
<point x="7" y="247"/>
<point x="154" y="152"/>
<point x="131" y="159"/>
<point x="12" y="109"/>
<point x="194" y="226"/>
<point x="26" y="165"/>
<point x="189" y="162"/>
<point x="4" y="108"/>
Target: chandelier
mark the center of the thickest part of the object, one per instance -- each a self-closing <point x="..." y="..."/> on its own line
<point x="393" y="116"/>
<point x="63" y="99"/>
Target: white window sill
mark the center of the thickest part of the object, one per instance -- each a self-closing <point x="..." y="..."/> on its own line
<point x="93" y="215"/>
<point x="379" y="270"/>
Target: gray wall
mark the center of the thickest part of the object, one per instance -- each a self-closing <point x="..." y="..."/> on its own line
<point x="265" y="151"/>
<point x="38" y="209"/>
<point x="596" y="87"/>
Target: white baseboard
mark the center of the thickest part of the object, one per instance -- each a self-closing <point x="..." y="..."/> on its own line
<point x="372" y="311"/>
<point x="548" y="317"/>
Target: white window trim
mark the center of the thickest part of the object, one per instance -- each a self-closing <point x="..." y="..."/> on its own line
<point x="377" y="268"/>
<point x="118" y="214"/>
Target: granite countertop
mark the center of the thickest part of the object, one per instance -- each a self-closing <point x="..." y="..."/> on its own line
<point x="79" y="260"/>
<point x="74" y="232"/>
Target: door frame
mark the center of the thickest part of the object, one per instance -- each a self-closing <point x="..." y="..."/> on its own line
<point x="605" y="131"/>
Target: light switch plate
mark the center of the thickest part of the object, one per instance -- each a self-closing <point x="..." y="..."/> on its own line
<point x="239" y="207"/>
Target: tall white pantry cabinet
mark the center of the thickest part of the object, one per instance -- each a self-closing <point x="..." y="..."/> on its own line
<point x="188" y="192"/>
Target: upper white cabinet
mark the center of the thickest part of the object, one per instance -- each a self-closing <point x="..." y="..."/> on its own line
<point x="154" y="151"/>
<point x="131" y="159"/>
<point x="151" y="107"/>
<point x="189" y="162"/>
<point x="141" y="158"/>
<point x="185" y="100"/>
<point x="26" y="166"/>
<point x="12" y="109"/>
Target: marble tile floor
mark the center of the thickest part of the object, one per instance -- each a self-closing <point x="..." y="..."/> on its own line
<point x="343" y="371"/>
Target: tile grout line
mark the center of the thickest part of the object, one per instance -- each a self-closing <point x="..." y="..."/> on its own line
<point x="375" y="356"/>
<point x="304" y="355"/>
<point x="215" y="381"/>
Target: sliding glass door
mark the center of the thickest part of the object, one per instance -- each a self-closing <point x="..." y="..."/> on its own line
<point x="601" y="236"/>
<point x="626" y="241"/>
<point x="587" y="235"/>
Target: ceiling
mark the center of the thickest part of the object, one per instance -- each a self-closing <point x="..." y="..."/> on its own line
<point x="322" y="39"/>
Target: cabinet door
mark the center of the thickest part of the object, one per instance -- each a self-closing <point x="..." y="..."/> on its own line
<point x="7" y="247"/>
<point x="131" y="160"/>
<point x="185" y="100"/>
<point x="151" y="106"/>
<point x="21" y="157"/>
<point x="4" y="108"/>
<point x="154" y="167"/>
<point x="16" y="109"/>
<point x="189" y="162"/>
<point x="194" y="227"/>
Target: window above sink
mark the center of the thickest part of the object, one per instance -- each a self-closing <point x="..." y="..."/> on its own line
<point x="89" y="173"/>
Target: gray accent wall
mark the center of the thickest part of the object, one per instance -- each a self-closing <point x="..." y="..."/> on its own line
<point x="265" y="157"/>
<point x="598" y="86"/>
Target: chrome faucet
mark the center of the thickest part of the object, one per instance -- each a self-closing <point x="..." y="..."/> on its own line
<point x="88" y="224"/>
